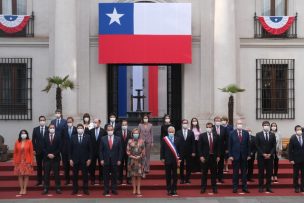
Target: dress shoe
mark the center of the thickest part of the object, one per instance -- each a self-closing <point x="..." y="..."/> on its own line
<point x="92" y="182"/>
<point x="182" y="182"/>
<point x="74" y="192"/>
<point x="302" y="189"/>
<point x="188" y="182"/>
<point x="129" y="182"/>
<point x="105" y="193"/>
<point x="114" y="192"/>
<point x="215" y="190"/>
<point x="221" y="181"/>
<point x="67" y="183"/>
<point x="203" y="191"/>
<point x="245" y="191"/>
<point x="250" y="180"/>
<point x="261" y="190"/>
<point x="45" y="192"/>
<point x="234" y="190"/>
<point x="86" y="192"/>
<point x="58" y="191"/>
<point x="173" y="192"/>
<point x="168" y="193"/>
<point x="38" y="184"/>
<point x="297" y="190"/>
<point x="269" y="190"/>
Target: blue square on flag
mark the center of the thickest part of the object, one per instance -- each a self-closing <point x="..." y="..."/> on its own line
<point x="116" y="18"/>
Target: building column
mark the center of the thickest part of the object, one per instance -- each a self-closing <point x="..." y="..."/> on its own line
<point x="65" y="53"/>
<point x="225" y="48"/>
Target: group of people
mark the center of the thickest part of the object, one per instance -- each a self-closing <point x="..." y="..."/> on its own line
<point x="121" y="154"/>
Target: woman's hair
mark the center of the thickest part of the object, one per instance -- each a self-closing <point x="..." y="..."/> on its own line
<point x="142" y="118"/>
<point x="166" y="116"/>
<point x="86" y="115"/>
<point x="191" y="125"/>
<point x="21" y="132"/>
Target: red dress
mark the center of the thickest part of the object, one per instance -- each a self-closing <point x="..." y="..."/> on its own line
<point x="23" y="168"/>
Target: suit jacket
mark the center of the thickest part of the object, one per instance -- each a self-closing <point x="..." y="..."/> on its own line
<point x="38" y="139"/>
<point x="124" y="142"/>
<point x="264" y="147"/>
<point x="106" y="154"/>
<point x="239" y="149"/>
<point x="295" y="150"/>
<point x="253" y="148"/>
<point x="204" y="146"/>
<point x="117" y="127"/>
<point x="80" y="152"/>
<point x="60" y="127"/>
<point x="96" y="142"/>
<point x="188" y="145"/>
<point x="167" y="154"/>
<point x="66" y="139"/>
<point x="52" y="148"/>
<point x="223" y="138"/>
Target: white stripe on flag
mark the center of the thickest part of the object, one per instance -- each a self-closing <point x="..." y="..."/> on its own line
<point x="137" y="83"/>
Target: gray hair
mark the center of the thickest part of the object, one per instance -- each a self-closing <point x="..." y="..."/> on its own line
<point x="171" y="128"/>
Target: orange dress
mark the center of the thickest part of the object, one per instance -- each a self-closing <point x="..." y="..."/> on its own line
<point x="23" y="164"/>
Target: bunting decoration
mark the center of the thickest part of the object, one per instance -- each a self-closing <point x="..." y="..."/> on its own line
<point x="13" y="23"/>
<point x="276" y="25"/>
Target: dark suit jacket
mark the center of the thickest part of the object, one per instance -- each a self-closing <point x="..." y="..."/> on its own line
<point x="117" y="127"/>
<point x="106" y="154"/>
<point x="38" y="139"/>
<point x="167" y="154"/>
<point x="204" y="148"/>
<point x="188" y="145"/>
<point x="65" y="139"/>
<point x="124" y="143"/>
<point x="96" y="143"/>
<point x="223" y="138"/>
<point x="295" y="151"/>
<point x="53" y="148"/>
<point x="239" y="150"/>
<point x="80" y="152"/>
<point x="264" y="147"/>
<point x="253" y="148"/>
<point x="62" y="125"/>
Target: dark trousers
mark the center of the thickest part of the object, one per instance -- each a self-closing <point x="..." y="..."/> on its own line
<point x="239" y="165"/>
<point x="110" y="172"/>
<point x="39" y="160"/>
<point x="265" y="165"/>
<point x="66" y="166"/>
<point x="185" y="161"/>
<point x="297" y="167"/>
<point x="51" y="164"/>
<point x="275" y="165"/>
<point x="220" y="168"/>
<point x="123" y="166"/>
<point x="171" y="176"/>
<point x="250" y="167"/>
<point x="92" y="168"/>
<point x="81" y="165"/>
<point x="209" y="164"/>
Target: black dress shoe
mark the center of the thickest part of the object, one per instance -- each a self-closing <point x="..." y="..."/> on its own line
<point x="38" y="184"/>
<point x="92" y="182"/>
<point x="302" y="189"/>
<point x="45" y="192"/>
<point x="86" y="192"/>
<point x="182" y="182"/>
<point x="114" y="192"/>
<point x="188" y="182"/>
<point x="234" y="190"/>
<point x="168" y="193"/>
<point x="261" y="190"/>
<point x="105" y="193"/>
<point x="215" y="190"/>
<point x="221" y="181"/>
<point x="58" y="191"/>
<point x="297" y="190"/>
<point x="74" y="192"/>
<point x="174" y="192"/>
<point x="67" y="183"/>
<point x="269" y="190"/>
<point x="245" y="191"/>
<point x="203" y="191"/>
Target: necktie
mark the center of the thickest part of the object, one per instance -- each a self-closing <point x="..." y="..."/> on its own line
<point x="51" y="138"/>
<point x="210" y="144"/>
<point x="41" y="131"/>
<point x="267" y="138"/>
<point x="240" y="136"/>
<point x="185" y="134"/>
<point x="57" y="124"/>
<point x="96" y="133"/>
<point x="218" y="130"/>
<point x="300" y="140"/>
<point x="110" y="142"/>
<point x="124" y="135"/>
<point x="80" y="139"/>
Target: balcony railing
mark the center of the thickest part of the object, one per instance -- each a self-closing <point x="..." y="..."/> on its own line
<point x="28" y="30"/>
<point x="260" y="32"/>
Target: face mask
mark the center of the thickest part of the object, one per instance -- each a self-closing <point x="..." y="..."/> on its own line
<point x="110" y="132"/>
<point x="86" y="119"/>
<point x="146" y="120"/>
<point x="124" y="127"/>
<point x="250" y="133"/>
<point x="239" y="126"/>
<point x="112" y="119"/>
<point x="266" y="128"/>
<point x="95" y="125"/>
<point x="273" y="128"/>
<point x="299" y="132"/>
<point x="80" y="131"/>
<point x="58" y="115"/>
<point x="42" y="123"/>
<point x="52" y="130"/>
<point x="135" y="136"/>
<point x="224" y="122"/>
<point x="208" y="130"/>
<point x="23" y="136"/>
<point x="194" y="123"/>
<point x="171" y="134"/>
<point x="70" y="124"/>
<point x="167" y="120"/>
<point x="217" y="123"/>
<point x="185" y="125"/>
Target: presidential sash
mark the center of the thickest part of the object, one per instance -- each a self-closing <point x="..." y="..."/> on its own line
<point x="172" y="147"/>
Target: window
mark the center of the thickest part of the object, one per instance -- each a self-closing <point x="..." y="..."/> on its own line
<point x="274" y="7"/>
<point x="275" y="89"/>
<point x="13" y="7"/>
<point x="15" y="89"/>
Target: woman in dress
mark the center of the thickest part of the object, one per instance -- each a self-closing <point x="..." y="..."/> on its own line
<point x="197" y="131"/>
<point x="23" y="160"/>
<point x="136" y="153"/>
<point x="274" y="130"/>
<point x="146" y="134"/>
<point x="87" y="123"/>
<point x="164" y="128"/>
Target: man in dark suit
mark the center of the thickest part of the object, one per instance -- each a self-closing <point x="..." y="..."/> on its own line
<point x="38" y="139"/>
<point x="209" y="153"/>
<point x="252" y="156"/>
<point x="67" y="134"/>
<point x="186" y="137"/>
<point x="266" y="145"/>
<point x="80" y="158"/>
<point x="110" y="159"/>
<point x="51" y="152"/>
<point x="296" y="158"/>
<point x="170" y="155"/>
<point x="96" y="134"/>
<point x="229" y="129"/>
<point x="220" y="131"/>
<point x="59" y="122"/>
<point x="239" y="153"/>
<point x="113" y="121"/>
<point x="125" y="135"/>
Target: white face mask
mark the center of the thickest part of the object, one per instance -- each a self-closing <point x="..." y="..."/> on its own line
<point x="80" y="131"/>
<point x="110" y="132"/>
<point x="167" y="120"/>
<point x="239" y="126"/>
<point x="42" y="123"/>
<point x="112" y="119"/>
<point x="52" y="130"/>
<point x="145" y="120"/>
<point x="217" y="123"/>
<point x="185" y="125"/>
<point x="86" y="119"/>
<point x="273" y="128"/>
<point x="208" y="130"/>
<point x="58" y="115"/>
<point x="124" y="127"/>
<point x="299" y="132"/>
<point x="224" y="122"/>
<point x="70" y="124"/>
<point x="266" y="128"/>
<point x="23" y="136"/>
<point x="194" y="123"/>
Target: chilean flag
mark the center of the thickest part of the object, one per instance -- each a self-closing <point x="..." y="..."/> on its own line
<point x="145" y="33"/>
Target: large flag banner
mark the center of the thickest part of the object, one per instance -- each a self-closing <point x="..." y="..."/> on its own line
<point x="145" y="33"/>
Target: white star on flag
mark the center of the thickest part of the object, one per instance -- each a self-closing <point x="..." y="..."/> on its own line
<point x="114" y="16"/>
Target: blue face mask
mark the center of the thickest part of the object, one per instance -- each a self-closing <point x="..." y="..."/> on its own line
<point x="171" y="135"/>
<point x="135" y="136"/>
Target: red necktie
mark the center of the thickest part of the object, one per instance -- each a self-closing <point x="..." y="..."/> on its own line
<point x="124" y="135"/>
<point x="210" y="144"/>
<point x="240" y="136"/>
<point x="110" y="142"/>
<point x="51" y="139"/>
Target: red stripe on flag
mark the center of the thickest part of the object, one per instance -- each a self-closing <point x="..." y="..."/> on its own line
<point x="145" y="49"/>
<point x="153" y="90"/>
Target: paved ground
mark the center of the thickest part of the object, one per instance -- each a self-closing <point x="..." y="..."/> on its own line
<point x="179" y="200"/>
